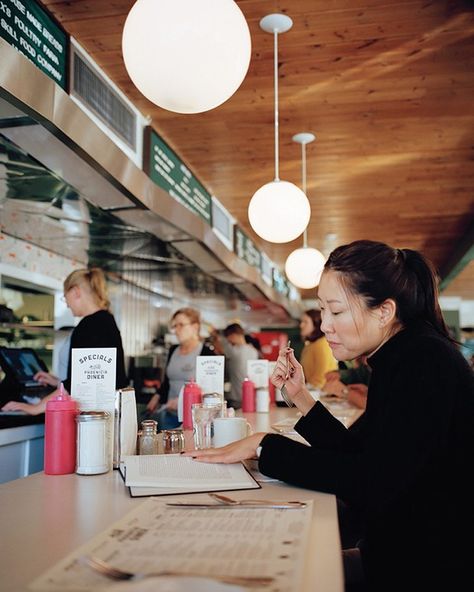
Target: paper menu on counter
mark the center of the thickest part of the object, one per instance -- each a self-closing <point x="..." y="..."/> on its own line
<point x="153" y="537"/>
<point x="210" y="374"/>
<point x="174" y="473"/>
<point x="258" y="372"/>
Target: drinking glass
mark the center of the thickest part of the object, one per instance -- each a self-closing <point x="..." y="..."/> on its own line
<point x="203" y="416"/>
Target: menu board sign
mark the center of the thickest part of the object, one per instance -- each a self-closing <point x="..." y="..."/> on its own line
<point x="280" y="284"/>
<point x="28" y="28"/>
<point x="245" y="248"/>
<point x="166" y="170"/>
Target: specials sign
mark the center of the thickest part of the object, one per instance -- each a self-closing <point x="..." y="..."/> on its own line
<point x="93" y="378"/>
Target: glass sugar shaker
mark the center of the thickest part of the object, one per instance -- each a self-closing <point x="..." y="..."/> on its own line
<point x="93" y="443"/>
<point x="148" y="438"/>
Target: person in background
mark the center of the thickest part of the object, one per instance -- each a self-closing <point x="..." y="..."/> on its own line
<point x="316" y="357"/>
<point x="405" y="464"/>
<point x="350" y="382"/>
<point x="180" y="367"/>
<point x="255" y="342"/>
<point x="85" y="292"/>
<point x="237" y="352"/>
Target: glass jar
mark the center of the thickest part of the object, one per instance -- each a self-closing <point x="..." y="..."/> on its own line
<point x="173" y="441"/>
<point x="148" y="438"/>
<point x="93" y="443"/>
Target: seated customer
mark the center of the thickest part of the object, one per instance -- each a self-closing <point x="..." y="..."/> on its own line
<point x="316" y="356"/>
<point x="406" y="463"/>
<point x="350" y="382"/>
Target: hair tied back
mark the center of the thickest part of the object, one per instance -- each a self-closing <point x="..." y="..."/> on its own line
<point x="402" y="254"/>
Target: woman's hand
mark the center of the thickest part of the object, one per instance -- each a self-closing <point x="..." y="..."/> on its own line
<point x="234" y="452"/>
<point x="46" y="378"/>
<point x="288" y="372"/>
<point x="357" y="395"/>
<point x="153" y="403"/>
<point x="335" y="387"/>
<point x="172" y="404"/>
<point x="26" y="407"/>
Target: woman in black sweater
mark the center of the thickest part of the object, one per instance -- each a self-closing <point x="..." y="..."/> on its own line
<point x="405" y="464"/>
<point x="85" y="292"/>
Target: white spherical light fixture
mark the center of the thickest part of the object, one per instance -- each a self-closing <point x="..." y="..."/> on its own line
<point x="279" y="211"/>
<point x="186" y="56"/>
<point x="304" y="267"/>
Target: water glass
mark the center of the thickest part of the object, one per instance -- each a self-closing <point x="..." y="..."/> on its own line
<point x="203" y="417"/>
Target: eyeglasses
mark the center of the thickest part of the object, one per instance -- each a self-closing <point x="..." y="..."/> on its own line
<point x="175" y="326"/>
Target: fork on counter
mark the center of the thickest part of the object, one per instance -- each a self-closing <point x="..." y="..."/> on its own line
<point x="115" y="573"/>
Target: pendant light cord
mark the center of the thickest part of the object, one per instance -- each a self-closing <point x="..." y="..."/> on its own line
<point x="303" y="184"/>
<point x="275" y="75"/>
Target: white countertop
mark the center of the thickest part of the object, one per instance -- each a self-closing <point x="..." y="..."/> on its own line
<point x="45" y="517"/>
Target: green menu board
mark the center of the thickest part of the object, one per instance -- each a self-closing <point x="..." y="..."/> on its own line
<point x="245" y="248"/>
<point x="280" y="283"/>
<point x="166" y="170"/>
<point x="28" y="28"/>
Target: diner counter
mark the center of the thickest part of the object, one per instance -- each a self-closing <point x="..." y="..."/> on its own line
<point x="21" y="446"/>
<point x="46" y="517"/>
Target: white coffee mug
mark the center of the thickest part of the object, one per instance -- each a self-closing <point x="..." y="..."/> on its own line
<point x="229" y="429"/>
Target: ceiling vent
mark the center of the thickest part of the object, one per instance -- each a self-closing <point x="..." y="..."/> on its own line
<point x="106" y="104"/>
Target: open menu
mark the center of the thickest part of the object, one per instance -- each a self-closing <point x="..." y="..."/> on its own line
<point x="166" y="474"/>
<point x="154" y="537"/>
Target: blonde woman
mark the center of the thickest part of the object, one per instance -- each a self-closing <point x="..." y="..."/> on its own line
<point x="85" y="292"/>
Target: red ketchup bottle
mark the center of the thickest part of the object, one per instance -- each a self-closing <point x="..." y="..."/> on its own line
<point x="248" y="396"/>
<point x="191" y="394"/>
<point x="60" y="435"/>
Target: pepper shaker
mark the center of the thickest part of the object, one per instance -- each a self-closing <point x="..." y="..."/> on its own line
<point x="148" y="438"/>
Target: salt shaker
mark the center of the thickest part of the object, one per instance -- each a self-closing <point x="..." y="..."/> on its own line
<point x="262" y="400"/>
<point x="93" y="445"/>
<point x="148" y="438"/>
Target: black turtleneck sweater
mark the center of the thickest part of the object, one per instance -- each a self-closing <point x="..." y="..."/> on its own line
<point x="406" y="464"/>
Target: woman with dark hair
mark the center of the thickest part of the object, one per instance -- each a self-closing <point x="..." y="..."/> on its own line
<point x="406" y="463"/>
<point x="316" y="357"/>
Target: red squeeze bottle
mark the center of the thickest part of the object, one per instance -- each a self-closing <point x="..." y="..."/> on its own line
<point x="60" y="435"/>
<point x="191" y="394"/>
<point x="248" y="396"/>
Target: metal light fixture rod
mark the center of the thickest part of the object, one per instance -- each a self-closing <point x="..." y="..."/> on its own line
<point x="276" y="23"/>
<point x="304" y="138"/>
<point x="275" y="86"/>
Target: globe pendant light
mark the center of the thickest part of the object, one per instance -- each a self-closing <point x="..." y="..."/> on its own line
<point x="279" y="211"/>
<point x="304" y="266"/>
<point x="186" y="56"/>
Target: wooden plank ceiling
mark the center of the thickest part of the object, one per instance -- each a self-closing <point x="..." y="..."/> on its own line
<point x="387" y="86"/>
